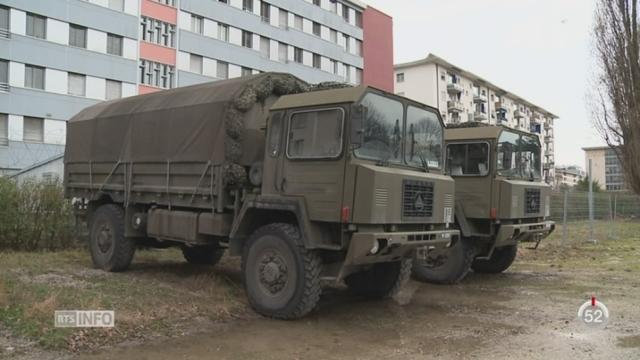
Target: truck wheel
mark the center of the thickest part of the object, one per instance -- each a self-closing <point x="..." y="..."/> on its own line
<point x="281" y="278"/>
<point x="500" y="260"/>
<point x="446" y="266"/>
<point x="110" y="249"/>
<point x="381" y="280"/>
<point x="202" y="255"/>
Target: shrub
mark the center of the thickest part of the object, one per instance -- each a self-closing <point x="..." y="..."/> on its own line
<point x="35" y="216"/>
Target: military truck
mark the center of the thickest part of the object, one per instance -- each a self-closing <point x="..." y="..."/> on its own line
<point x="304" y="184"/>
<point x="501" y="201"/>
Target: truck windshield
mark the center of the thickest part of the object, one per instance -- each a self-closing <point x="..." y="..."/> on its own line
<point x="382" y="129"/>
<point x="519" y="156"/>
<point x="423" y="146"/>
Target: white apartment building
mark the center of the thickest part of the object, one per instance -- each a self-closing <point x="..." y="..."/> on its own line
<point x="462" y="96"/>
<point x="568" y="175"/>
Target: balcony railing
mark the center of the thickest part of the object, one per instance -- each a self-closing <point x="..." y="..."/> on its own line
<point x="548" y="139"/>
<point x="479" y="116"/>
<point x="4" y="87"/>
<point x="454" y="106"/>
<point x="500" y="106"/>
<point x="455" y="88"/>
<point x="479" y="98"/>
<point x="5" y="33"/>
<point x="519" y="114"/>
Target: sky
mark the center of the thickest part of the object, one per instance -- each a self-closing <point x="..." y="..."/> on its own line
<point x="540" y="50"/>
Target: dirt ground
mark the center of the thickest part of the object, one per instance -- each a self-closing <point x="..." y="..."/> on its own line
<point x="529" y="312"/>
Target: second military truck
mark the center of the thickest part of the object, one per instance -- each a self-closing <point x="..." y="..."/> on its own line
<point x="501" y="201"/>
<point x="340" y="184"/>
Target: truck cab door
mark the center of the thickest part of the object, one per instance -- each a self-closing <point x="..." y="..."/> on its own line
<point x="312" y="161"/>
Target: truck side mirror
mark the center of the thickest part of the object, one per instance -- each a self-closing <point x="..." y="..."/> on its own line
<point x="358" y="114"/>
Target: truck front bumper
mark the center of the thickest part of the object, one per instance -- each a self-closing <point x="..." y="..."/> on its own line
<point x="376" y="247"/>
<point x="511" y="234"/>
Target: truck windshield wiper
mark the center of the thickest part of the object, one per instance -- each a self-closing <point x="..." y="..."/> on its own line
<point x="425" y="165"/>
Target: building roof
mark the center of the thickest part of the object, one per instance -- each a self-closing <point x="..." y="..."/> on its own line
<point x="433" y="59"/>
<point x="38" y="164"/>
<point x="594" y="148"/>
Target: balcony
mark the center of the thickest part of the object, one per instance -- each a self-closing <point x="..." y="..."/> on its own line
<point x="536" y="119"/>
<point x="454" y="88"/>
<point x="454" y="106"/>
<point x="500" y="106"/>
<point x="548" y="139"/>
<point x="479" y="116"/>
<point x="548" y="153"/>
<point x="547" y="126"/>
<point x="479" y="98"/>
<point x="519" y="114"/>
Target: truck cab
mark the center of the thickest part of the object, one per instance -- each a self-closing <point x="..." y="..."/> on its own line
<point x="501" y="199"/>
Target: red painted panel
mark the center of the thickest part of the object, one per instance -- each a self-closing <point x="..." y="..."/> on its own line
<point x="144" y="89"/>
<point x="378" y="49"/>
<point x="159" y="11"/>
<point x="157" y="53"/>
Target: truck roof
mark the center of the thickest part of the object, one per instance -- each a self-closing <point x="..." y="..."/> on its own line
<point x="323" y="97"/>
<point x="481" y="131"/>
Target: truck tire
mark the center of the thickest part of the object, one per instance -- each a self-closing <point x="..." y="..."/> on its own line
<point x="381" y="280"/>
<point x="447" y="266"/>
<point x="110" y="249"/>
<point x="500" y="260"/>
<point x="202" y="255"/>
<point x="281" y="278"/>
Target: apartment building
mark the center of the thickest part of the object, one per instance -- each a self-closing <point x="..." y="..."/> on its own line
<point x="568" y="175"/>
<point x="60" y="56"/>
<point x="462" y="96"/>
<point x="605" y="167"/>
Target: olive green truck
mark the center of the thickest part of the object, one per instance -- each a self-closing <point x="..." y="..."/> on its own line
<point x="501" y="201"/>
<point x="304" y="184"/>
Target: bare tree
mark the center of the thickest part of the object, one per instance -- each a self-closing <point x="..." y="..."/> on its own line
<point x="617" y="105"/>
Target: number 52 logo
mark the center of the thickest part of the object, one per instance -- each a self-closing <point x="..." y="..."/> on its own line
<point x="593" y="313"/>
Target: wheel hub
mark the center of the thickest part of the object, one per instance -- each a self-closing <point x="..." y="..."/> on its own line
<point x="105" y="238"/>
<point x="272" y="273"/>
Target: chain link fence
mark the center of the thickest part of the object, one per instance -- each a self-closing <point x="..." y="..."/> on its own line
<point x="608" y="216"/>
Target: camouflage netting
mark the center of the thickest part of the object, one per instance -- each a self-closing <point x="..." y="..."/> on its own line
<point x="464" y="125"/>
<point x="256" y="92"/>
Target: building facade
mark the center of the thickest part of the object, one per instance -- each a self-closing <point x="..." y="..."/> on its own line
<point x="60" y="56"/>
<point x="462" y="96"/>
<point x="605" y="167"/>
<point x="568" y="176"/>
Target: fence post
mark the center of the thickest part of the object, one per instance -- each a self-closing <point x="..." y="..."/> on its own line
<point x="615" y="216"/>
<point x="564" y="218"/>
<point x="591" y="237"/>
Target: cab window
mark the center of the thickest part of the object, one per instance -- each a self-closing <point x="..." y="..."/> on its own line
<point x="469" y="159"/>
<point x="315" y="134"/>
<point x="275" y="133"/>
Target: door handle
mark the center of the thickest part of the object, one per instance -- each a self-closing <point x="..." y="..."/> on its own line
<point x="283" y="184"/>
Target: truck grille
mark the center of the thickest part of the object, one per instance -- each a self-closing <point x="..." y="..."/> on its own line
<point x="532" y="201"/>
<point x="417" y="199"/>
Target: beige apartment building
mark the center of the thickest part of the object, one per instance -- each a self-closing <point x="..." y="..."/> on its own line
<point x="462" y="96"/>
<point x="568" y="175"/>
<point x="605" y="167"/>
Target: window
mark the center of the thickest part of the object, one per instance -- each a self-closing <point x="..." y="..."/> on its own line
<point x="4" y="130"/>
<point x="118" y="4"/>
<point x="157" y="31"/>
<point x="223" y="32"/>
<point x="400" y="77"/>
<point x="333" y="34"/>
<point x="77" y="36"/>
<point x="197" y="24"/>
<point x="519" y="156"/>
<point x="265" y="46"/>
<point x="334" y="66"/>
<point x="222" y="71"/>
<point x="423" y="142"/>
<point x="76" y="84"/>
<point x="245" y="71"/>
<point x="247" y="39"/>
<point x="265" y="11"/>
<point x="195" y="63"/>
<point x="468" y="159"/>
<point x="283" y="52"/>
<point x="347" y="45"/>
<point x="36" y="26"/>
<point x="114" y="89"/>
<point x="33" y="129"/>
<point x="283" y="20"/>
<point x="358" y="47"/>
<point x="382" y="129"/>
<point x="169" y="2"/>
<point x="34" y="77"/>
<point x="275" y="134"/>
<point x="297" y="55"/>
<point x="317" y="61"/>
<point x="347" y="72"/>
<point x="316" y="2"/>
<point x="334" y="6"/>
<point x="4" y="73"/>
<point x="4" y="19"/>
<point x="114" y="44"/>
<point x="345" y="12"/>
<point x="224" y="1"/>
<point x="317" y="29"/>
<point x="315" y="134"/>
<point x="358" y="19"/>
<point x="297" y="22"/>
<point x="247" y="5"/>
<point x="156" y="74"/>
<point x="358" y="76"/>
